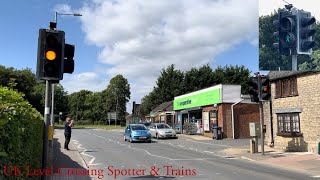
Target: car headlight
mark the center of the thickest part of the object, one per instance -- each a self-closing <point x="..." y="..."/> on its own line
<point x="133" y="132"/>
<point x="161" y="132"/>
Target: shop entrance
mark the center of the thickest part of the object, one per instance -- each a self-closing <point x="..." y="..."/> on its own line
<point x="196" y="118"/>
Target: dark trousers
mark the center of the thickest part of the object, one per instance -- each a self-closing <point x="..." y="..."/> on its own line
<point x="66" y="143"/>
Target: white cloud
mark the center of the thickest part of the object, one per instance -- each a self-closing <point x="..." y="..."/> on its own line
<point x="141" y="37"/>
<point x="88" y="81"/>
<point x="266" y="7"/>
<point x="63" y="8"/>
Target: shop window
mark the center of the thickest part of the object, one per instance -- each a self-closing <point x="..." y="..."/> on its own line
<point x="286" y="87"/>
<point x="288" y="124"/>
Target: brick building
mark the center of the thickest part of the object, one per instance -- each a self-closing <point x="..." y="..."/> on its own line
<point x="221" y="105"/>
<point x="295" y="99"/>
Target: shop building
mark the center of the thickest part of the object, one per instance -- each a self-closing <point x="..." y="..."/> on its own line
<point x="220" y="105"/>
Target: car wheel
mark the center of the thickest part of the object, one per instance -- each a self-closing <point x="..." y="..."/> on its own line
<point x="124" y="138"/>
<point x="149" y="141"/>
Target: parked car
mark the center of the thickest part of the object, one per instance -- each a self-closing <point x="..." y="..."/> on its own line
<point x="147" y="124"/>
<point x="162" y="130"/>
<point x="137" y="132"/>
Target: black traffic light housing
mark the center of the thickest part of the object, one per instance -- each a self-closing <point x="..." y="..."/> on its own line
<point x="286" y="33"/>
<point x="68" y="58"/>
<point x="265" y="89"/>
<point x="254" y="89"/>
<point x="50" y="60"/>
<point x="305" y="32"/>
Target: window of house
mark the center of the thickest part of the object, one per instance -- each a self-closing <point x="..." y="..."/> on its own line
<point x="288" y="124"/>
<point x="286" y="87"/>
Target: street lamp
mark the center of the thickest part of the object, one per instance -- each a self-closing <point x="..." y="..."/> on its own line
<point x="56" y="20"/>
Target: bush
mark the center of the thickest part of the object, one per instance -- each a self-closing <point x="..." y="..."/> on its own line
<point x="83" y="122"/>
<point x="99" y="122"/>
<point x="21" y="132"/>
<point x="123" y="124"/>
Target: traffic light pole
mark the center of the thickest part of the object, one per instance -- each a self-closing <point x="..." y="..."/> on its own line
<point x="261" y="114"/>
<point x="294" y="62"/>
<point x="46" y="125"/>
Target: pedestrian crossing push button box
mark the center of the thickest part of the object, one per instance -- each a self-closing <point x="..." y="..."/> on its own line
<point x="254" y="129"/>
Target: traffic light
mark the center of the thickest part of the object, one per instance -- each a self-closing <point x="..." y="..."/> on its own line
<point x="68" y="58"/>
<point x="265" y="89"/>
<point x="254" y="89"/>
<point x="50" y="61"/>
<point x="286" y="32"/>
<point x="305" y="32"/>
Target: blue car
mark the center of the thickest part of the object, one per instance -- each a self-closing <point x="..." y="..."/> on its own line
<point x="137" y="132"/>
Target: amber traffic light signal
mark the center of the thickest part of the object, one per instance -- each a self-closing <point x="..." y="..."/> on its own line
<point x="50" y="61"/>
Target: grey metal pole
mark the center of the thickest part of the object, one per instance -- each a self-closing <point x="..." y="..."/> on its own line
<point x="46" y="124"/>
<point x="271" y="123"/>
<point x="261" y="115"/>
<point x="56" y="19"/>
<point x="294" y="62"/>
<point x="52" y="107"/>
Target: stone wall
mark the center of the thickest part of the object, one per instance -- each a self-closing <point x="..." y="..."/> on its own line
<point x="308" y="100"/>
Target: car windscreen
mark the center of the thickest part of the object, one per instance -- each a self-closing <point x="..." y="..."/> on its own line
<point x="162" y="126"/>
<point x="140" y="127"/>
<point x="146" y="124"/>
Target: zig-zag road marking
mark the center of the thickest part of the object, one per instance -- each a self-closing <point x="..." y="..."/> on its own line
<point x="83" y="153"/>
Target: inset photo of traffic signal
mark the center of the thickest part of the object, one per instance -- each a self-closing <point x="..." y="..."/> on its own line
<point x="288" y="35"/>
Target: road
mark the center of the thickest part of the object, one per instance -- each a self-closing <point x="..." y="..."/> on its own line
<point x="175" y="158"/>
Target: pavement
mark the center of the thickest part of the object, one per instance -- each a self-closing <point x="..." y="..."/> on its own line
<point x="65" y="162"/>
<point x="298" y="161"/>
<point x="106" y="152"/>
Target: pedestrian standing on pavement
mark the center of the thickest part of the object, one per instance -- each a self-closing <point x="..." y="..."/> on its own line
<point x="67" y="132"/>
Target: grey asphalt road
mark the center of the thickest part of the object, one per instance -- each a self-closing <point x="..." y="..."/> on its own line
<point x="173" y="158"/>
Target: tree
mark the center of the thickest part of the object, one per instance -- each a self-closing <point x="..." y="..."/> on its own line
<point x="168" y="84"/>
<point x="93" y="110"/>
<point x="233" y="75"/>
<point x="119" y="89"/>
<point x="77" y="105"/>
<point x="196" y="79"/>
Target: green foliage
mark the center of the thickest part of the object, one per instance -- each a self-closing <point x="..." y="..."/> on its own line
<point x="119" y="94"/>
<point x="83" y="122"/>
<point x="99" y="123"/>
<point x="269" y="58"/>
<point x="173" y="83"/>
<point x="21" y="131"/>
<point x="122" y="124"/>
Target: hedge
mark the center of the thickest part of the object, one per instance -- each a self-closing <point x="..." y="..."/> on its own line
<point x="21" y="132"/>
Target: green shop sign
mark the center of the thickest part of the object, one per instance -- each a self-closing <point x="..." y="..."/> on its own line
<point x="196" y="100"/>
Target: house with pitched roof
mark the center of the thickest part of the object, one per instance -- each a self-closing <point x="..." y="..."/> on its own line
<point x="163" y="113"/>
<point x="292" y="116"/>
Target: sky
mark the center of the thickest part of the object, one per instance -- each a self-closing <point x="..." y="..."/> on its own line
<point x="266" y="7"/>
<point x="136" y="38"/>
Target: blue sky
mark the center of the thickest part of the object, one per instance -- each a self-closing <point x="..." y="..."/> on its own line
<point x="135" y="38"/>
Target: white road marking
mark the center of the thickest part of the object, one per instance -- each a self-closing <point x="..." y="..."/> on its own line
<point x="317" y="176"/>
<point x="83" y="153"/>
<point x="209" y="143"/>
<point x="208" y="151"/>
<point x="150" y="154"/>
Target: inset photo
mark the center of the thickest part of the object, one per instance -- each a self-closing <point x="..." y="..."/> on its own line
<point x="289" y="35"/>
